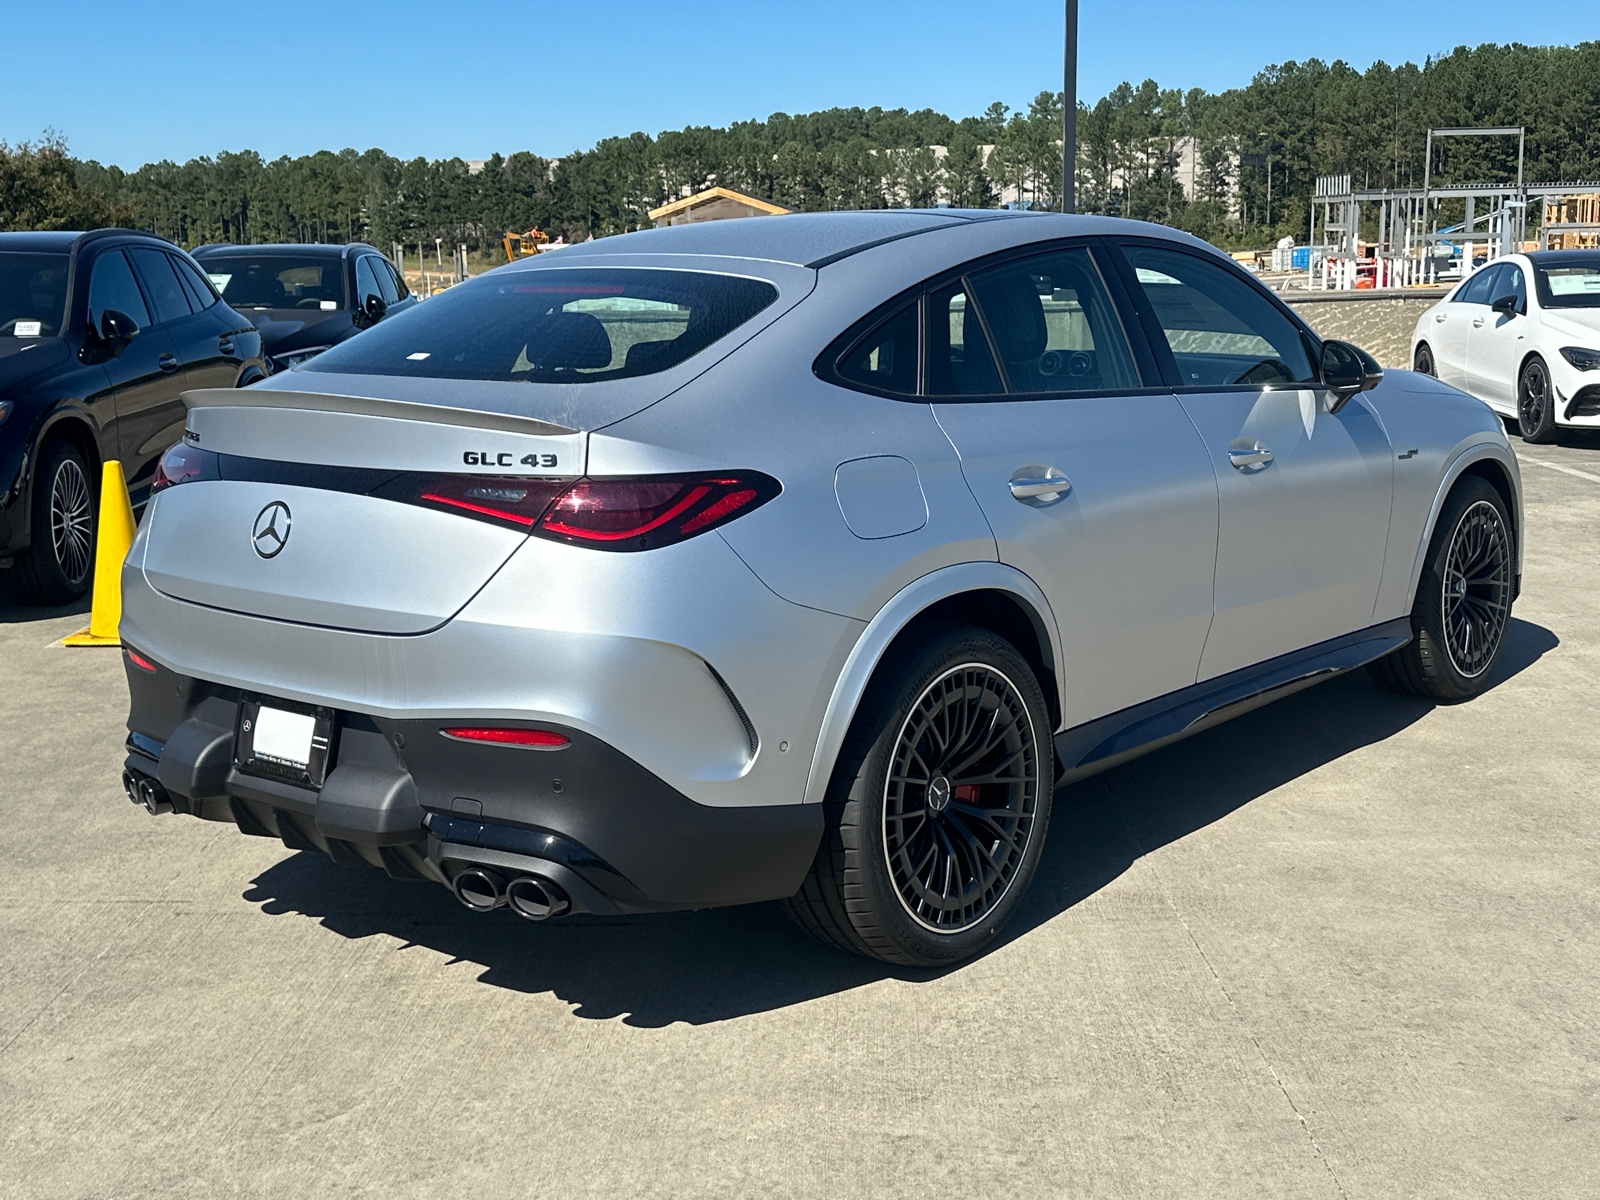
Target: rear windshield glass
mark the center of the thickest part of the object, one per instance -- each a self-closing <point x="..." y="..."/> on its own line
<point x="277" y="280"/>
<point x="1569" y="285"/>
<point x="33" y="294"/>
<point x="555" y="325"/>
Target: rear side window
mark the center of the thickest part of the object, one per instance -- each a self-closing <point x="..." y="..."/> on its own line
<point x="886" y="359"/>
<point x="1221" y="331"/>
<point x="112" y="289"/>
<point x="161" y="283"/>
<point x="1054" y="325"/>
<point x="959" y="362"/>
<point x="555" y="325"/>
<point x="201" y="295"/>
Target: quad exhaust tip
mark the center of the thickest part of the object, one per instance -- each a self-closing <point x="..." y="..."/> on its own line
<point x="479" y="890"/>
<point x="146" y="793"/>
<point x="536" y="899"/>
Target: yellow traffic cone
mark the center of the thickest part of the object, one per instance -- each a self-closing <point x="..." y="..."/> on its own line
<point x="112" y="540"/>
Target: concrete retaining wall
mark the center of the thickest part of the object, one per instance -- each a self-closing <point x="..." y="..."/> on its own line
<point x="1379" y="322"/>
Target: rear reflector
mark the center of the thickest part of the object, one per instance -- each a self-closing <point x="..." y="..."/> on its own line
<point x="538" y="739"/>
<point x="139" y="660"/>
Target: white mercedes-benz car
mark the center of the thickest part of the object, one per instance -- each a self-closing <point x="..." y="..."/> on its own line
<point x="790" y="559"/>
<point x="1529" y="352"/>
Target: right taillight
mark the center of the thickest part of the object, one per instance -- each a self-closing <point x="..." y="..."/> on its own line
<point x="183" y="463"/>
<point x="644" y="512"/>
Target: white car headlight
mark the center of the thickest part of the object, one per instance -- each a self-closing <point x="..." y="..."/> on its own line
<point x="1582" y="358"/>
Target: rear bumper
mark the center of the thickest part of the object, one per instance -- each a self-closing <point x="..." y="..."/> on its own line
<point x="401" y="796"/>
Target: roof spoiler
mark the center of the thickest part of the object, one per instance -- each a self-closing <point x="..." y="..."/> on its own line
<point x="370" y="406"/>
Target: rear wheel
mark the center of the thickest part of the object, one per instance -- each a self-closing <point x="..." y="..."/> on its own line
<point x="1463" y="604"/>
<point x="58" y="564"/>
<point x="1423" y="362"/>
<point x="937" y="810"/>
<point x="1536" y="407"/>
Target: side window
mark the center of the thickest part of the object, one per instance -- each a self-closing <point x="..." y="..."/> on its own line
<point x="385" y="276"/>
<point x="1480" y="288"/>
<point x="1222" y="332"/>
<point x="400" y="291"/>
<point x="366" y="281"/>
<point x="1054" y="324"/>
<point x="959" y="362"/>
<point x="886" y="358"/>
<point x="201" y="293"/>
<point x="1512" y="283"/>
<point x="111" y="286"/>
<point x="161" y="283"/>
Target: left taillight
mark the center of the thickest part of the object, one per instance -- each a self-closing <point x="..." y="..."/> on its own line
<point x="183" y="463"/>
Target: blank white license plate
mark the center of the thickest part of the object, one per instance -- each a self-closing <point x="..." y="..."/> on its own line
<point x="284" y="737"/>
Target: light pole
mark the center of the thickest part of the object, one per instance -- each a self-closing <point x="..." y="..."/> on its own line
<point x="1069" y="109"/>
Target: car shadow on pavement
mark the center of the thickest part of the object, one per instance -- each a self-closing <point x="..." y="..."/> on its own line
<point x="12" y="613"/>
<point x="704" y="967"/>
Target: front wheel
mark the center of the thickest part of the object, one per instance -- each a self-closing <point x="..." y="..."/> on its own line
<point x="938" y="806"/>
<point x="1463" y="604"/>
<point x="1536" y="406"/>
<point x="1423" y="362"/>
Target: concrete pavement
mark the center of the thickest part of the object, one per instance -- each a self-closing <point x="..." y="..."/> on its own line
<point x="1345" y="946"/>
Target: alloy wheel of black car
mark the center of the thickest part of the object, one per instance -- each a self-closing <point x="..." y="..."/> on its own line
<point x="58" y="563"/>
<point x="1477" y="589"/>
<point x="937" y="809"/>
<point x="1424" y="362"/>
<point x="1535" y="405"/>
<point x="959" y="802"/>
<point x="71" y="522"/>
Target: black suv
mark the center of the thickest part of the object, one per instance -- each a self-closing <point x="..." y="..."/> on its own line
<point x="100" y="333"/>
<point x="305" y="298"/>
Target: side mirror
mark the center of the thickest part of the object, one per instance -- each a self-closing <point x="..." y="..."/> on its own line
<point x="1506" y="306"/>
<point x="116" y="331"/>
<point x="372" y="310"/>
<point x="1346" y="371"/>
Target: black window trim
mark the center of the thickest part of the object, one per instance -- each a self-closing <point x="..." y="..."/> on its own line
<point x="1158" y="339"/>
<point x="1106" y="260"/>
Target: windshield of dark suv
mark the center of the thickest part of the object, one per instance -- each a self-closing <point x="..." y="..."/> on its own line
<point x="277" y="280"/>
<point x="33" y="294"/>
<point x="1568" y="284"/>
<point x="555" y="325"/>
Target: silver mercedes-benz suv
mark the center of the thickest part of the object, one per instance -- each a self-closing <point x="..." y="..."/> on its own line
<point x="790" y="559"/>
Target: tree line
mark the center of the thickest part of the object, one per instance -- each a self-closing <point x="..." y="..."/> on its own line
<point x="1237" y="167"/>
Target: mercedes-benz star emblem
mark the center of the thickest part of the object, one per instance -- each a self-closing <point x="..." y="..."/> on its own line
<point x="270" y="534"/>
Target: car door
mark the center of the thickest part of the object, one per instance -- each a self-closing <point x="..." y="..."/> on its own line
<point x="1497" y="341"/>
<point x="1452" y="326"/>
<point x="1304" y="494"/>
<point x="208" y="351"/>
<point x="1093" y="479"/>
<point x="142" y="377"/>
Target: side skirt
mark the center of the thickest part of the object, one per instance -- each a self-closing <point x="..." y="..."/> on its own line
<point x="1107" y="741"/>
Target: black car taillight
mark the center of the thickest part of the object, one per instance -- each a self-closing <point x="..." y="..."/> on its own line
<point x="645" y="512"/>
<point x="183" y="463"/>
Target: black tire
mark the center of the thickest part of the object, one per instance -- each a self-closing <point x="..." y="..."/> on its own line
<point x="1463" y="604"/>
<point x="866" y="892"/>
<point x="1423" y="362"/>
<point x="58" y="565"/>
<point x="1536" y="403"/>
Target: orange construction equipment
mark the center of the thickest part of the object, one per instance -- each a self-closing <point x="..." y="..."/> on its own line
<point x="524" y="245"/>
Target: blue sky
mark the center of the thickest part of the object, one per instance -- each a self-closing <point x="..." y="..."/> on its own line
<point x="175" y="78"/>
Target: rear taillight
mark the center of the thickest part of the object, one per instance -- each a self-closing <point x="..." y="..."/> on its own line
<point x="183" y="463"/>
<point x="534" y="739"/>
<point x="656" y="510"/>
<point x="518" y="503"/>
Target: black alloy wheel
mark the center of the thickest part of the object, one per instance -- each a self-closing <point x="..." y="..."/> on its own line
<point x="938" y="805"/>
<point x="58" y="565"/>
<point x="1463" y="605"/>
<point x="961" y="796"/>
<point x="1423" y="363"/>
<point x="1476" y="589"/>
<point x="1536" y="406"/>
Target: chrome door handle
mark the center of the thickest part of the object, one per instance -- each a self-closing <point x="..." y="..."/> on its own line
<point x="1247" y="452"/>
<point x="1038" y="485"/>
<point x="167" y="362"/>
<point x="225" y="346"/>
<point x="1478" y="324"/>
<point x="1440" y="317"/>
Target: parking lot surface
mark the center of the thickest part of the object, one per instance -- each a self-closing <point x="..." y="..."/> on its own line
<point x="1345" y="946"/>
